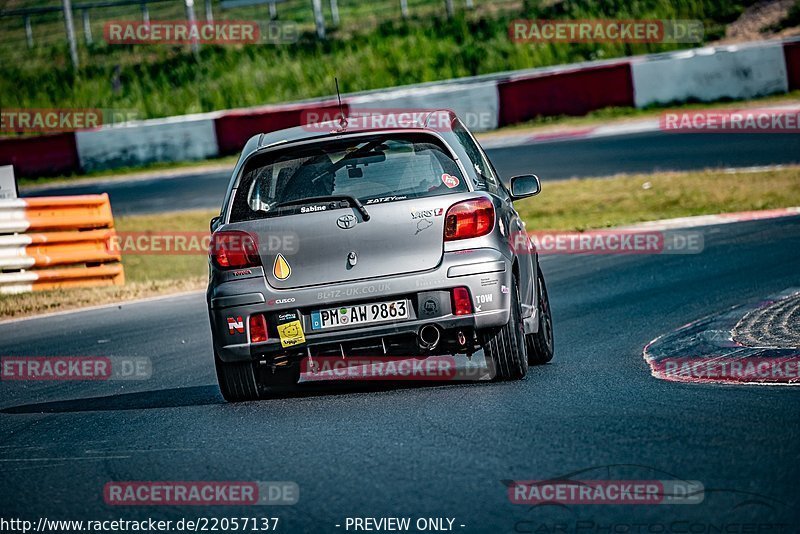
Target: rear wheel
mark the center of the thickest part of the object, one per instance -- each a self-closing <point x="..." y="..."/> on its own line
<point x="540" y="344"/>
<point x="505" y="346"/>
<point x="237" y="380"/>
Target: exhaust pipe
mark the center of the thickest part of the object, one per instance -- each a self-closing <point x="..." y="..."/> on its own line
<point x="428" y="337"/>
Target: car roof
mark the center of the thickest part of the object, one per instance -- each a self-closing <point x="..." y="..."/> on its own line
<point x="364" y="121"/>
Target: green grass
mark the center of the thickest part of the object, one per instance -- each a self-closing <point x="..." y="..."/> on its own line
<point x="146" y="268"/>
<point x="622" y="200"/>
<point x="367" y="52"/>
<point x="566" y="205"/>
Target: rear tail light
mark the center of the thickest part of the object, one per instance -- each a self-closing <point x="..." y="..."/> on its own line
<point x="462" y="303"/>
<point x="471" y="218"/>
<point x="258" y="328"/>
<point x="233" y="249"/>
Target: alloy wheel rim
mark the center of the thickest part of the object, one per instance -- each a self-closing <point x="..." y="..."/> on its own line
<point x="546" y="319"/>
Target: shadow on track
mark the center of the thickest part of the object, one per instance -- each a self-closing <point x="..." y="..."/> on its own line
<point x="210" y="395"/>
<point x="145" y="400"/>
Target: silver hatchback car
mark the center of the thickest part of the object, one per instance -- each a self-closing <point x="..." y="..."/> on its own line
<point x="393" y="241"/>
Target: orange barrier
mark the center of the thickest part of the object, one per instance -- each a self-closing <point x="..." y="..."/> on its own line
<point x="69" y="213"/>
<point x="75" y="254"/>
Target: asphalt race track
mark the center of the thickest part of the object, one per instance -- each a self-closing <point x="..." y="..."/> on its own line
<point x="430" y="450"/>
<point x="645" y="153"/>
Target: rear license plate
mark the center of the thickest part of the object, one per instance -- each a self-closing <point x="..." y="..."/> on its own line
<point x="361" y="314"/>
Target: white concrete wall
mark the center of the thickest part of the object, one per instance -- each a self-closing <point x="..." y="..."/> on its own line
<point x="477" y="105"/>
<point x="703" y="74"/>
<point x="188" y="137"/>
<point x="710" y="74"/>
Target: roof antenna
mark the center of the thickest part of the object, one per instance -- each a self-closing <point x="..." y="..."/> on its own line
<point x="342" y="117"/>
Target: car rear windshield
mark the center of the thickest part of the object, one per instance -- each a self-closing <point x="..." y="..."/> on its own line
<point x="373" y="169"/>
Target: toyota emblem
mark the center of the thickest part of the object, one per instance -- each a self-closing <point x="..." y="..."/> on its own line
<point x="346" y="221"/>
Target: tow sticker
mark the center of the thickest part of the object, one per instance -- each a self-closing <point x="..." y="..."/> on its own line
<point x="450" y="181"/>
<point x="290" y="330"/>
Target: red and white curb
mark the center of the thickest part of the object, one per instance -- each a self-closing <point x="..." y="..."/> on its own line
<point x="711" y="220"/>
<point x="626" y="127"/>
<point x="570" y="134"/>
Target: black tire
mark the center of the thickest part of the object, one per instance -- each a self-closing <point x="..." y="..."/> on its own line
<point x="237" y="380"/>
<point x="540" y="344"/>
<point x="505" y="346"/>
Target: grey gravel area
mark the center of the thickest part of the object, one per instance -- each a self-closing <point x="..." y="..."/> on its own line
<point x="776" y="325"/>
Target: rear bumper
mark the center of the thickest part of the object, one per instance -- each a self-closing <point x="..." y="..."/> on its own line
<point x="486" y="273"/>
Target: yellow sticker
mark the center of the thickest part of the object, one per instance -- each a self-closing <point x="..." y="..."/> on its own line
<point x="281" y="268"/>
<point x="291" y="334"/>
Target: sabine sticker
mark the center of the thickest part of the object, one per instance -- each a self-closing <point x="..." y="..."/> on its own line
<point x="311" y="209"/>
<point x="281" y="268"/>
<point x="235" y="325"/>
<point x="449" y="180"/>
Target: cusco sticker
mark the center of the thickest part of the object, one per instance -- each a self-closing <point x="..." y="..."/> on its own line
<point x="291" y="334"/>
<point x="449" y="180"/>
<point x="281" y="268"/>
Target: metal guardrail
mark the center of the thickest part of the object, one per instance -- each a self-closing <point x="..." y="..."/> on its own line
<point x="231" y="4"/>
<point x="57" y="242"/>
<point x="103" y="8"/>
<point x="67" y="8"/>
<point x="76" y="7"/>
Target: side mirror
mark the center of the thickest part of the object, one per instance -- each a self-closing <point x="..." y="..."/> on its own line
<point x="214" y="223"/>
<point x="525" y="185"/>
